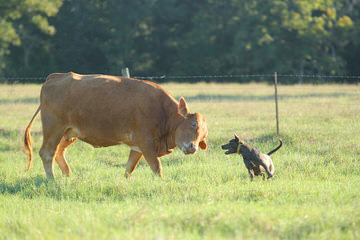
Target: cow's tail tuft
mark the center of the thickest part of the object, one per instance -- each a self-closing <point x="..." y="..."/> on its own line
<point x="28" y="142"/>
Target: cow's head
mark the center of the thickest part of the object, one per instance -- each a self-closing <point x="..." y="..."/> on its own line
<point x="192" y="132"/>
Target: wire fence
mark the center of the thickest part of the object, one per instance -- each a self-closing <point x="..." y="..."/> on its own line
<point x="282" y="78"/>
<point x="231" y="76"/>
<point x="352" y="93"/>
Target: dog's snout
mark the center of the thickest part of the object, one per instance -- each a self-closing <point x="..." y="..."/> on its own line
<point x="224" y="147"/>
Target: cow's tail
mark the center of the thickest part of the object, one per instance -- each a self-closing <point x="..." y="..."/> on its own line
<point x="28" y="142"/>
<point x="277" y="148"/>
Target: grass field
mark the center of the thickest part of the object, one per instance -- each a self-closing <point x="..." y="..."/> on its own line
<point x="315" y="193"/>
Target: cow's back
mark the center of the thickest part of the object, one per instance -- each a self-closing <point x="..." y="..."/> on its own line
<point x="106" y="109"/>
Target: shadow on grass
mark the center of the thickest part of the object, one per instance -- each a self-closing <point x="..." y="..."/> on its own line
<point x="39" y="186"/>
<point x="7" y="137"/>
<point x="110" y="163"/>
<point x="6" y="133"/>
<point x="213" y="97"/>
<point x="20" y="100"/>
<point x="22" y="185"/>
<point x="7" y="147"/>
<point x="116" y="164"/>
<point x="250" y="98"/>
<point x="174" y="161"/>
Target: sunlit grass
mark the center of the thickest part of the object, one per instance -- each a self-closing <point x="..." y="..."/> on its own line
<point x="314" y="194"/>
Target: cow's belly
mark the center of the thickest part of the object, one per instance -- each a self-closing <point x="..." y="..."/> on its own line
<point x="101" y="139"/>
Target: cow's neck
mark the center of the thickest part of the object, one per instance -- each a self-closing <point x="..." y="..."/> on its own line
<point x="174" y="122"/>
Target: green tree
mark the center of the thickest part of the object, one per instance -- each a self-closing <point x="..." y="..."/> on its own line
<point x="102" y="36"/>
<point x="154" y="37"/>
<point x="293" y="36"/>
<point x="22" y="26"/>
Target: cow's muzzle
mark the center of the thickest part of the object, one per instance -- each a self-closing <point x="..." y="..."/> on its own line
<point x="189" y="148"/>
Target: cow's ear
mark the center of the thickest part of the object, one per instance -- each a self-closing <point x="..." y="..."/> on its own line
<point x="203" y="144"/>
<point x="183" y="108"/>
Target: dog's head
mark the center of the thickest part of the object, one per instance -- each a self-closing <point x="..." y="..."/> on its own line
<point x="233" y="145"/>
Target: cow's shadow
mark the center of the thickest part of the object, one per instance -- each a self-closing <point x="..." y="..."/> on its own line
<point x="168" y="161"/>
<point x="117" y="164"/>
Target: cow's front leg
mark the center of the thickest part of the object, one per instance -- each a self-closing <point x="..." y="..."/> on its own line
<point x="134" y="159"/>
<point x="154" y="161"/>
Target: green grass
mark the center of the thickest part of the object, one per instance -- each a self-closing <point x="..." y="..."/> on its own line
<point x="315" y="192"/>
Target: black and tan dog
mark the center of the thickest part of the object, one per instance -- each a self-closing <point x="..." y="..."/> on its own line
<point x="256" y="162"/>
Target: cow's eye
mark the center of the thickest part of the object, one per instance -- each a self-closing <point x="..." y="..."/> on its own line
<point x="194" y="124"/>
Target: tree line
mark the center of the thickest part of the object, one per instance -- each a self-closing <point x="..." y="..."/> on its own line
<point x="180" y="37"/>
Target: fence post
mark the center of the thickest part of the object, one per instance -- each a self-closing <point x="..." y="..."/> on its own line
<point x="125" y="72"/>
<point x="276" y="104"/>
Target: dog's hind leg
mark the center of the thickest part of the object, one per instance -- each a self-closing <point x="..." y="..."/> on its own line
<point x="263" y="176"/>
<point x="267" y="170"/>
<point x="268" y="165"/>
<point x="251" y="173"/>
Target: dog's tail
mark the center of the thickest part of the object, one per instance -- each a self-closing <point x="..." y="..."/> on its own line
<point x="277" y="148"/>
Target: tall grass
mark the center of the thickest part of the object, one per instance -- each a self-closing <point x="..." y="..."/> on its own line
<point x="314" y="194"/>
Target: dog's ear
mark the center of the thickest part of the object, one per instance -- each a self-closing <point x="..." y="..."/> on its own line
<point x="236" y="137"/>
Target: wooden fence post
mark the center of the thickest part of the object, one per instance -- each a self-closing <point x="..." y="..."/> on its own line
<point x="125" y="72"/>
<point x="276" y="104"/>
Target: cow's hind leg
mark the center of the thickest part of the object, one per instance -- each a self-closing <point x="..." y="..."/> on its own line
<point x="60" y="155"/>
<point x="52" y="134"/>
<point x="134" y="159"/>
<point x="47" y="154"/>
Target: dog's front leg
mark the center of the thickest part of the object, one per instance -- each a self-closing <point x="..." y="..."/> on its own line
<point x="249" y="168"/>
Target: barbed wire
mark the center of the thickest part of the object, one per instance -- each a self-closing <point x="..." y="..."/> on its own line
<point x="248" y="76"/>
<point x="205" y="76"/>
<point x="319" y="76"/>
<point x="223" y="76"/>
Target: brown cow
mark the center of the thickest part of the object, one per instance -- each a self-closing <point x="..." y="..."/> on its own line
<point x="107" y="110"/>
